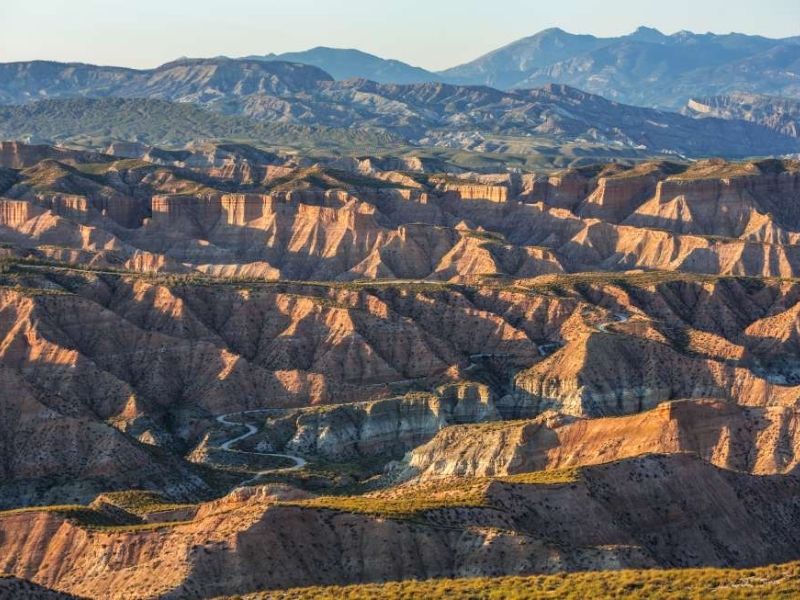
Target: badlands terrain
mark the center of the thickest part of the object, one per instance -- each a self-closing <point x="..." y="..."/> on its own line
<point x="228" y="370"/>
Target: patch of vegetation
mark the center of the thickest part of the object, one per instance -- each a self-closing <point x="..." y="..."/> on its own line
<point x="771" y="582"/>
<point x="220" y="481"/>
<point x="630" y="279"/>
<point x="62" y="509"/>
<point x="561" y="284"/>
<point x="141" y="502"/>
<point x="90" y="518"/>
<point x="30" y="291"/>
<point x="680" y="338"/>
<point x="555" y="477"/>
<point x="126" y="164"/>
<point x="33" y="264"/>
<point x="413" y="500"/>
<point x="137" y="527"/>
<point x="82" y="516"/>
<point x="327" y="179"/>
<point x="245" y="462"/>
<point x="407" y="501"/>
<point x="334" y="477"/>
<point x="95" y="122"/>
<point x="636" y="278"/>
<point x="716" y="169"/>
<point x="644" y="168"/>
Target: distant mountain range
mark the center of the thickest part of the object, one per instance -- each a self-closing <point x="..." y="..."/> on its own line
<point x="249" y="99"/>
<point x="202" y="81"/>
<point x="354" y="64"/>
<point x="504" y="102"/>
<point x="646" y="67"/>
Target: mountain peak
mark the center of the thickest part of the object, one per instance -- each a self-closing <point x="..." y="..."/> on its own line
<point x="647" y="34"/>
<point x="351" y="63"/>
<point x="332" y="50"/>
<point x="552" y="31"/>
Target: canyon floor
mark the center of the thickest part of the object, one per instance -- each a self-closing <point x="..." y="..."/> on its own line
<point x="232" y="372"/>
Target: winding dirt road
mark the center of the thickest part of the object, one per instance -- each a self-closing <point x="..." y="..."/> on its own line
<point x="618" y="318"/>
<point x="227" y="445"/>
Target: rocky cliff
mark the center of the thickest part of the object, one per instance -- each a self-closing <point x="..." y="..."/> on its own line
<point x="384" y="427"/>
<point x="757" y="440"/>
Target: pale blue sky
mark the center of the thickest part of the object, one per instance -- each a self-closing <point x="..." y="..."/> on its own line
<point x="429" y="33"/>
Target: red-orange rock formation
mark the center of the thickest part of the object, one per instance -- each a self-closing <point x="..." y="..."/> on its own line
<point x="655" y="510"/>
<point x="758" y="440"/>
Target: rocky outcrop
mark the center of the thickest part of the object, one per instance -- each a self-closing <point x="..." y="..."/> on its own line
<point x="385" y="427"/>
<point x="561" y="190"/>
<point x="757" y="440"/>
<point x="466" y="191"/>
<point x="616" y="196"/>
<point x="603" y="374"/>
<point x="14" y="213"/>
<point x="751" y="202"/>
